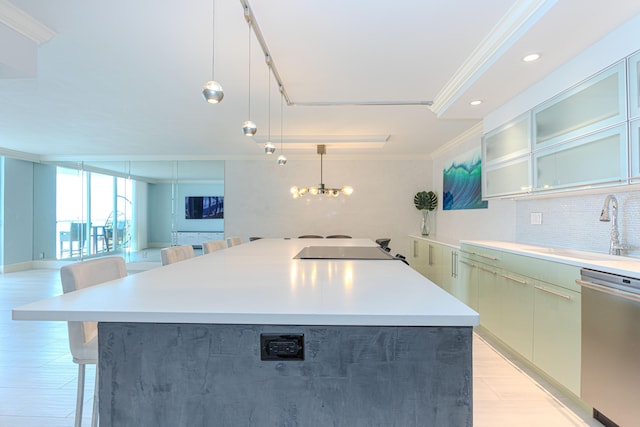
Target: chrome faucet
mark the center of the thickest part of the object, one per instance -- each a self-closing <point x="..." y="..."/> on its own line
<point x="615" y="248"/>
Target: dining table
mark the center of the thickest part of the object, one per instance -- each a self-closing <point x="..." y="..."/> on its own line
<point x="277" y="332"/>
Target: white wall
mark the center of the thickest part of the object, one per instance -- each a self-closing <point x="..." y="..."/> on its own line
<point x="258" y="201"/>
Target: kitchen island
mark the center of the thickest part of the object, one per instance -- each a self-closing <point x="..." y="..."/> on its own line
<point x="250" y="336"/>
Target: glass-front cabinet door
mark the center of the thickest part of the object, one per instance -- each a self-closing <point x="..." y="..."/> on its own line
<point x="634" y="85"/>
<point x="634" y="138"/>
<point x="508" y="141"/>
<point x="508" y="178"/>
<point x="599" y="158"/>
<point x="597" y="103"/>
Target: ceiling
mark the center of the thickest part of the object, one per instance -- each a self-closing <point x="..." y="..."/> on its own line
<point x="121" y="80"/>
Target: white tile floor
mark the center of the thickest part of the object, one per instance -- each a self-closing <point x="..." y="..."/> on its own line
<point x="38" y="378"/>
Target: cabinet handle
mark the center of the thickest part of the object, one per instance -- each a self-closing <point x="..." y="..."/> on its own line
<point x="454" y="264"/>
<point x="487" y="270"/>
<point x="467" y="263"/>
<point x="430" y="256"/>
<point x="467" y="252"/>
<point x="488" y="257"/>
<point x="415" y="249"/>
<point x="558" y="294"/>
<point x="513" y="279"/>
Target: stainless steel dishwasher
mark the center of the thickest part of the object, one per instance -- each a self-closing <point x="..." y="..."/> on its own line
<point x="611" y="347"/>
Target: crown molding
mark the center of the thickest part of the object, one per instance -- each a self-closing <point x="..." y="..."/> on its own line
<point x="20" y="155"/>
<point x="473" y="132"/>
<point x="517" y="21"/>
<point x="23" y="23"/>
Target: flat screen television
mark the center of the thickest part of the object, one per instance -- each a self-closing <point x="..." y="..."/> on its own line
<point x="203" y="207"/>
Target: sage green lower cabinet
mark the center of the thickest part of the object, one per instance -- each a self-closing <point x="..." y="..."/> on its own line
<point x="447" y="266"/>
<point x="489" y="299"/>
<point x="437" y="262"/>
<point x="530" y="304"/>
<point x="466" y="287"/>
<point x="516" y="326"/>
<point x="556" y="333"/>
<point x="418" y="255"/>
<point x="432" y="262"/>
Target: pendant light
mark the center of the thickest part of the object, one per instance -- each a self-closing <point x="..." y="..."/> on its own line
<point x="282" y="160"/>
<point x="269" y="148"/>
<point x="212" y="90"/>
<point x="249" y="128"/>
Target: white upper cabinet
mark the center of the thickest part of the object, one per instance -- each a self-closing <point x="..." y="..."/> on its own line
<point x="634" y="137"/>
<point x="634" y="85"/>
<point x="576" y="139"/>
<point x="508" y="141"/>
<point x="599" y="158"/>
<point x="507" y="178"/>
<point x="596" y="103"/>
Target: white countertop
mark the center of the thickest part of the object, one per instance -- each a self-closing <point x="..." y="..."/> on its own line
<point x="621" y="265"/>
<point x="261" y="283"/>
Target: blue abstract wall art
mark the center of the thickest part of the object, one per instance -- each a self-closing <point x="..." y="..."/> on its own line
<point x="462" y="183"/>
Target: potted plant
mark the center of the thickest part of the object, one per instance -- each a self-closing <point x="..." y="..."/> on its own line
<point x="425" y="202"/>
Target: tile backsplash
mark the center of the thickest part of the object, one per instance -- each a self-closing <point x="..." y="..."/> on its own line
<point x="573" y="221"/>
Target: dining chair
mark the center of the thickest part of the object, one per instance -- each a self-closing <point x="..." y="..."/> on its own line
<point x="310" y="236"/>
<point x="76" y="234"/>
<point x="233" y="241"/>
<point x="338" y="236"/>
<point x="175" y="254"/>
<point x="83" y="336"/>
<point x="384" y="243"/>
<point x="212" y="246"/>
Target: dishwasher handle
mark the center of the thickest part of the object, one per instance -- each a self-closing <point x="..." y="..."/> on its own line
<point x="611" y="291"/>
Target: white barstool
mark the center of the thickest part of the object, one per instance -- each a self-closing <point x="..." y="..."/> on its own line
<point x="83" y="336"/>
<point x="176" y="254"/>
<point x="233" y="241"/>
<point x="212" y="246"/>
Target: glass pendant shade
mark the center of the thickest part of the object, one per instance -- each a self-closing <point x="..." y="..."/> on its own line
<point x="212" y="92"/>
<point x="249" y="128"/>
<point x="282" y="160"/>
<point x="269" y="148"/>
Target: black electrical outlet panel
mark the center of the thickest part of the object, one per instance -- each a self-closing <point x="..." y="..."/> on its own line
<point x="281" y="346"/>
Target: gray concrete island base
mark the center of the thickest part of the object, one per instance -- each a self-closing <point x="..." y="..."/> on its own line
<point x="154" y="375"/>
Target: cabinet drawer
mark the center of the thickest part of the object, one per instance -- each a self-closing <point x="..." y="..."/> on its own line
<point x="482" y="255"/>
<point x="547" y="271"/>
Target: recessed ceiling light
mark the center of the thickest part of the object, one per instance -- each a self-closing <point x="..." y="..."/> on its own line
<point x="476" y="102"/>
<point x="531" y="57"/>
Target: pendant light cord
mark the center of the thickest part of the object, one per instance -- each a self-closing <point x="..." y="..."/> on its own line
<point x="249" y="25"/>
<point x="281" y="122"/>
<point x="213" y="38"/>
<point x="269" y="99"/>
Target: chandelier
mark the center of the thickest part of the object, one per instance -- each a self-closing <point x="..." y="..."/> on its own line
<point x="320" y="189"/>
